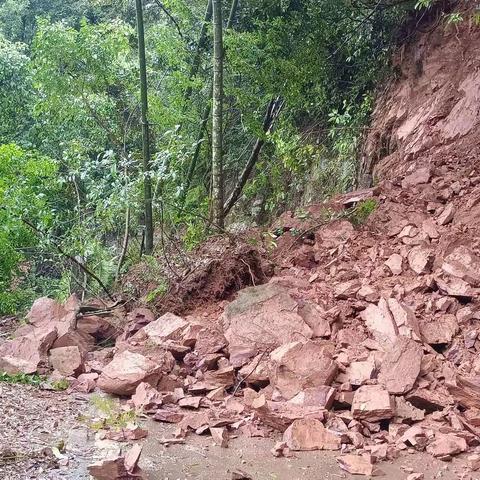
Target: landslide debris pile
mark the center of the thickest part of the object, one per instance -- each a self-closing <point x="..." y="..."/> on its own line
<point x="366" y="343"/>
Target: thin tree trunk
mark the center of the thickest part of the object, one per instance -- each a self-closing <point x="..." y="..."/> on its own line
<point x="126" y="237"/>
<point x="217" y="116"/>
<point x="204" y="121"/>
<point x="273" y="111"/>
<point x="202" y="39"/>
<point x="147" y="181"/>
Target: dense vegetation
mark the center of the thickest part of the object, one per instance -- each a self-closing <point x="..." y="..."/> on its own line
<point x="298" y="83"/>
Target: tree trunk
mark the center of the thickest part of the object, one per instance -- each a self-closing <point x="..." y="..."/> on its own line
<point x="200" y="46"/>
<point x="147" y="181"/>
<point x="204" y="121"/>
<point x="217" y="116"/>
<point x="273" y="111"/>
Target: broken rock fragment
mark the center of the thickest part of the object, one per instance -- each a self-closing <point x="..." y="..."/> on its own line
<point x="68" y="361"/>
<point x="146" y="398"/>
<point x="404" y="318"/>
<point x="464" y="264"/>
<point x="447" y="215"/>
<point x="127" y="370"/>
<point x="372" y="403"/>
<point x="167" y="327"/>
<point x="248" y="324"/>
<point x="357" y="373"/>
<point x="310" y="434"/>
<point x="394" y="263"/>
<point x="447" y="445"/>
<point x="220" y="436"/>
<point x="420" y="259"/>
<point x="357" y="464"/>
<point x="380" y="322"/>
<point x="439" y="330"/>
<point x="27" y="353"/>
<point x="401" y="366"/>
<point x="300" y="365"/>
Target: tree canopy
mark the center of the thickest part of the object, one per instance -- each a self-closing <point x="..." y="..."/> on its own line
<point x="297" y="87"/>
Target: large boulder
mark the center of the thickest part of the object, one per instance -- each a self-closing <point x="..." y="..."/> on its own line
<point x="380" y="322"/>
<point x="128" y="369"/>
<point x="28" y="353"/>
<point x="167" y="327"/>
<point x="261" y="319"/>
<point x="401" y="366"/>
<point x="68" y="361"/>
<point x="301" y="365"/>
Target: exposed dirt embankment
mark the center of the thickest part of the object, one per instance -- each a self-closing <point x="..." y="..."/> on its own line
<point x="430" y="113"/>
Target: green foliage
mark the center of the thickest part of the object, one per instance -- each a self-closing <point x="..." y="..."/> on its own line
<point x="21" y="378"/>
<point x="28" y="190"/>
<point x="111" y="413"/>
<point x="60" y="385"/>
<point x="15" y="91"/>
<point x="362" y="211"/>
<point x="69" y="99"/>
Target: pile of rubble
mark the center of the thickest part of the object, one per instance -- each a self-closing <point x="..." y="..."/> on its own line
<point x="366" y="342"/>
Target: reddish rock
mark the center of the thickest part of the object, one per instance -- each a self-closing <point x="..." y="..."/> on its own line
<point x="220" y="436"/>
<point x="334" y="234"/>
<point x="372" y="403"/>
<point x="85" y="382"/>
<point x="380" y="322"/>
<point x="401" y="366"/>
<point x="406" y="411"/>
<point x="415" y="476"/>
<point x="419" y="176"/>
<point x="404" y="318"/>
<point x="109" y="469"/>
<point x="190" y="402"/>
<point x="316" y="318"/>
<point x="132" y="457"/>
<point x="280" y="415"/>
<point x="28" y="353"/>
<point x="167" y="327"/>
<point x="474" y="462"/>
<point x="428" y="400"/>
<point x="368" y="294"/>
<point x="127" y="370"/>
<point x="447" y="445"/>
<point x="257" y="371"/>
<point x="168" y="416"/>
<point x="357" y="373"/>
<point x="146" y="398"/>
<point x="130" y="433"/>
<point x="224" y="377"/>
<point x="301" y="365"/>
<point x="249" y="328"/>
<point x="209" y="340"/>
<point x="455" y="287"/>
<point x="322" y="397"/>
<point x="45" y="311"/>
<point x="69" y="361"/>
<point x="464" y="264"/>
<point x="420" y="259"/>
<point x="358" y="464"/>
<point x="394" y="263"/>
<point x="310" y="434"/>
<point x="280" y="449"/>
<point x="346" y="290"/>
<point x="429" y="227"/>
<point x="447" y="215"/>
<point x="439" y="330"/>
